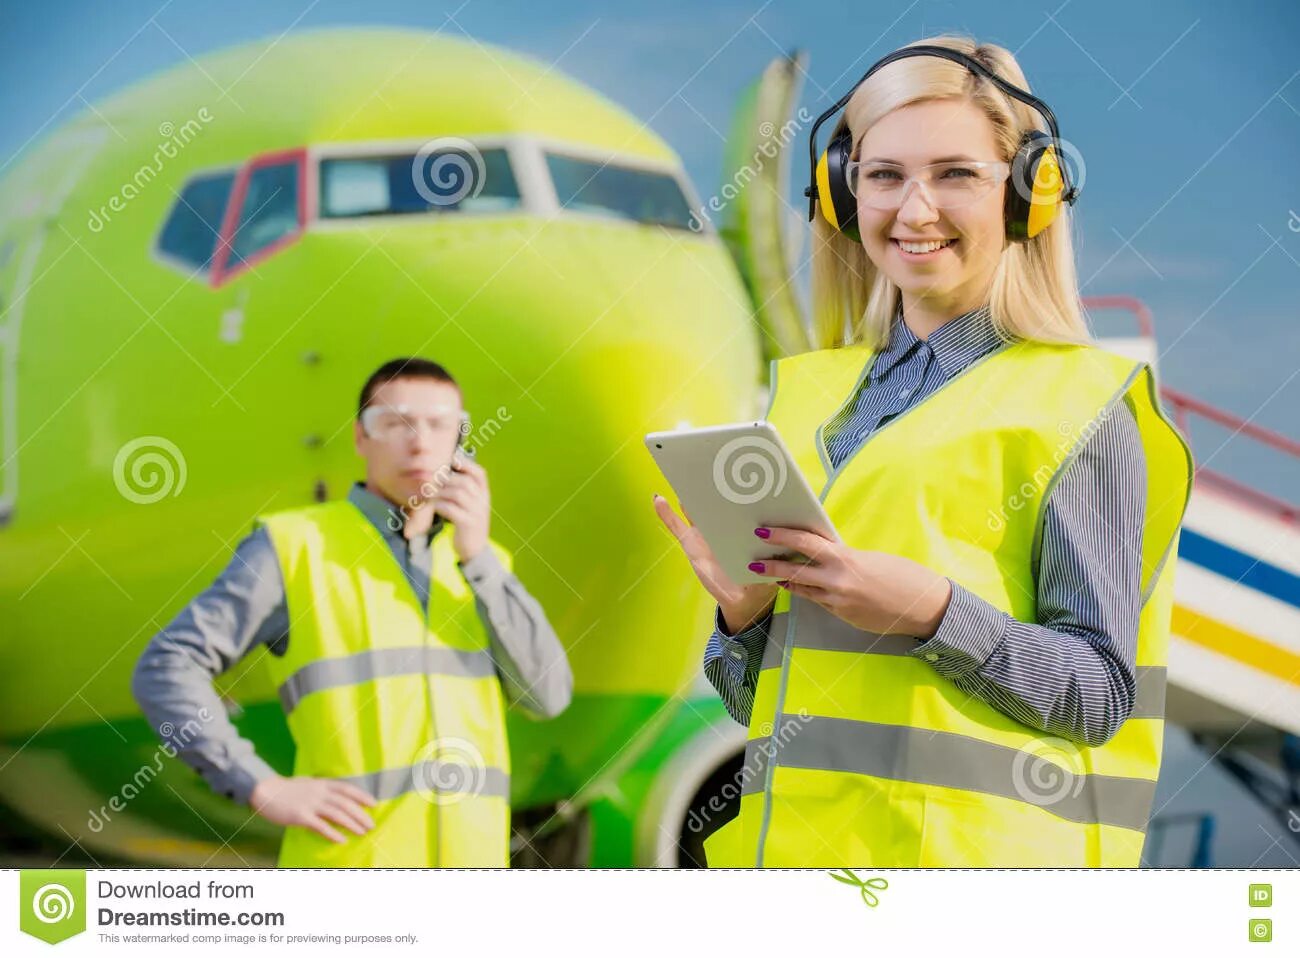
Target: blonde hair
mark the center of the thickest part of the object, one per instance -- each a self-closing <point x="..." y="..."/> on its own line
<point x="1035" y="289"/>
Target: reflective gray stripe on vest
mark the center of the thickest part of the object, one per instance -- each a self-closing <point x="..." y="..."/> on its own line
<point x="1149" y="700"/>
<point x="381" y="663"/>
<point x="437" y="781"/>
<point x="819" y="629"/>
<point x="758" y="752"/>
<point x="909" y="754"/>
<point x="775" y="640"/>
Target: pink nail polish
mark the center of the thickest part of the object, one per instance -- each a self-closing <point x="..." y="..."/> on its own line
<point x="756" y="567"/>
<point x="762" y="533"/>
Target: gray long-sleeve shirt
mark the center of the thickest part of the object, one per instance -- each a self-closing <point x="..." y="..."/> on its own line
<point x="245" y="609"/>
<point x="1071" y="674"/>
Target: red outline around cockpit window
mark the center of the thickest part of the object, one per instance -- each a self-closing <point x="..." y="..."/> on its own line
<point x="221" y="271"/>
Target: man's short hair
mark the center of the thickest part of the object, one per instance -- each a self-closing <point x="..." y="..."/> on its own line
<point x="410" y="368"/>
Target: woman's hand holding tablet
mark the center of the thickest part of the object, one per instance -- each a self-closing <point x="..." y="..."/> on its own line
<point x="734" y="479"/>
<point x="741" y="605"/>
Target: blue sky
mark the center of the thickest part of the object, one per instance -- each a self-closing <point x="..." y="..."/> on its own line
<point x="1187" y="114"/>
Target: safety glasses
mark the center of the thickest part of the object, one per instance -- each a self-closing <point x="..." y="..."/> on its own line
<point x="886" y="186"/>
<point x="398" y="423"/>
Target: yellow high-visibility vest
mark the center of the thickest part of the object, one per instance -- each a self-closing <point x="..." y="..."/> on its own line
<point x="406" y="706"/>
<point x="860" y="754"/>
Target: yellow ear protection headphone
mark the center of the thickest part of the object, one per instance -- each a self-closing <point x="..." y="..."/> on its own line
<point x="1039" y="183"/>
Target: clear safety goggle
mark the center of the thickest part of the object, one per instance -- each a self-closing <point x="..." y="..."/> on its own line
<point x="886" y="186"/>
<point x="394" y="423"/>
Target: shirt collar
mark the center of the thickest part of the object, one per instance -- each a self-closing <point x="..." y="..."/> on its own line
<point x="385" y="516"/>
<point x="965" y="338"/>
<point x="956" y="344"/>
<point x="901" y="343"/>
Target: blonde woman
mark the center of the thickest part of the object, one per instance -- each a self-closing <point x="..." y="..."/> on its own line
<point x="972" y="673"/>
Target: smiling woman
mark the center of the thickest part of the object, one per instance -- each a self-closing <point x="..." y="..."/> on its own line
<point x="962" y="693"/>
<point x="940" y="153"/>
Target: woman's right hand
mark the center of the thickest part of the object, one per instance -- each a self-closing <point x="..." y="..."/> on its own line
<point x="741" y="605"/>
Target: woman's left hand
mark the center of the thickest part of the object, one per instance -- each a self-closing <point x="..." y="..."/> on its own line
<point x="873" y="591"/>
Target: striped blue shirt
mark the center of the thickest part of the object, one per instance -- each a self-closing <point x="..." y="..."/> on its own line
<point x="1072" y="673"/>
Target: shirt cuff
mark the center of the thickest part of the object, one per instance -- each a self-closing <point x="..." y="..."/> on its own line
<point x="738" y="651"/>
<point x="730" y="652"/>
<point x="481" y="569"/>
<point x="238" y="781"/>
<point x="968" y="633"/>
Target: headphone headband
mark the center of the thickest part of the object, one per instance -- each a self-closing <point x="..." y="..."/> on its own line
<point x="1069" y="194"/>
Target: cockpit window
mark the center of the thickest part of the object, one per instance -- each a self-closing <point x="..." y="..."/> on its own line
<point x="193" y="227"/>
<point x="440" y="181"/>
<point x="269" y="212"/>
<point x="606" y="189"/>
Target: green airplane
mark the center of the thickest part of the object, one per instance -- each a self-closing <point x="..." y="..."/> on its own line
<point x="197" y="274"/>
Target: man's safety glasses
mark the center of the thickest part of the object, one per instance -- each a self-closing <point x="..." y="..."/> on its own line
<point x="398" y="423"/>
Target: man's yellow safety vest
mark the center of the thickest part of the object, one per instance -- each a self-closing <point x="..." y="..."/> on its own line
<point x="405" y="705"/>
<point x="860" y="754"/>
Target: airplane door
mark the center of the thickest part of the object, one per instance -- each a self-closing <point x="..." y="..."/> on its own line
<point x="30" y="203"/>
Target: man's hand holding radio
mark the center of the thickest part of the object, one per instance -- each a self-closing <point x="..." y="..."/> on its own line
<point x="463" y="499"/>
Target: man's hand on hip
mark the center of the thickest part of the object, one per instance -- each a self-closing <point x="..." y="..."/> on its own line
<point x="313" y="803"/>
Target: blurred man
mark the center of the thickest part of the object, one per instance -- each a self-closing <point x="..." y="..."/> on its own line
<point x="394" y="623"/>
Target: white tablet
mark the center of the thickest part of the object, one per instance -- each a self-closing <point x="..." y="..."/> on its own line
<point x="732" y="479"/>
